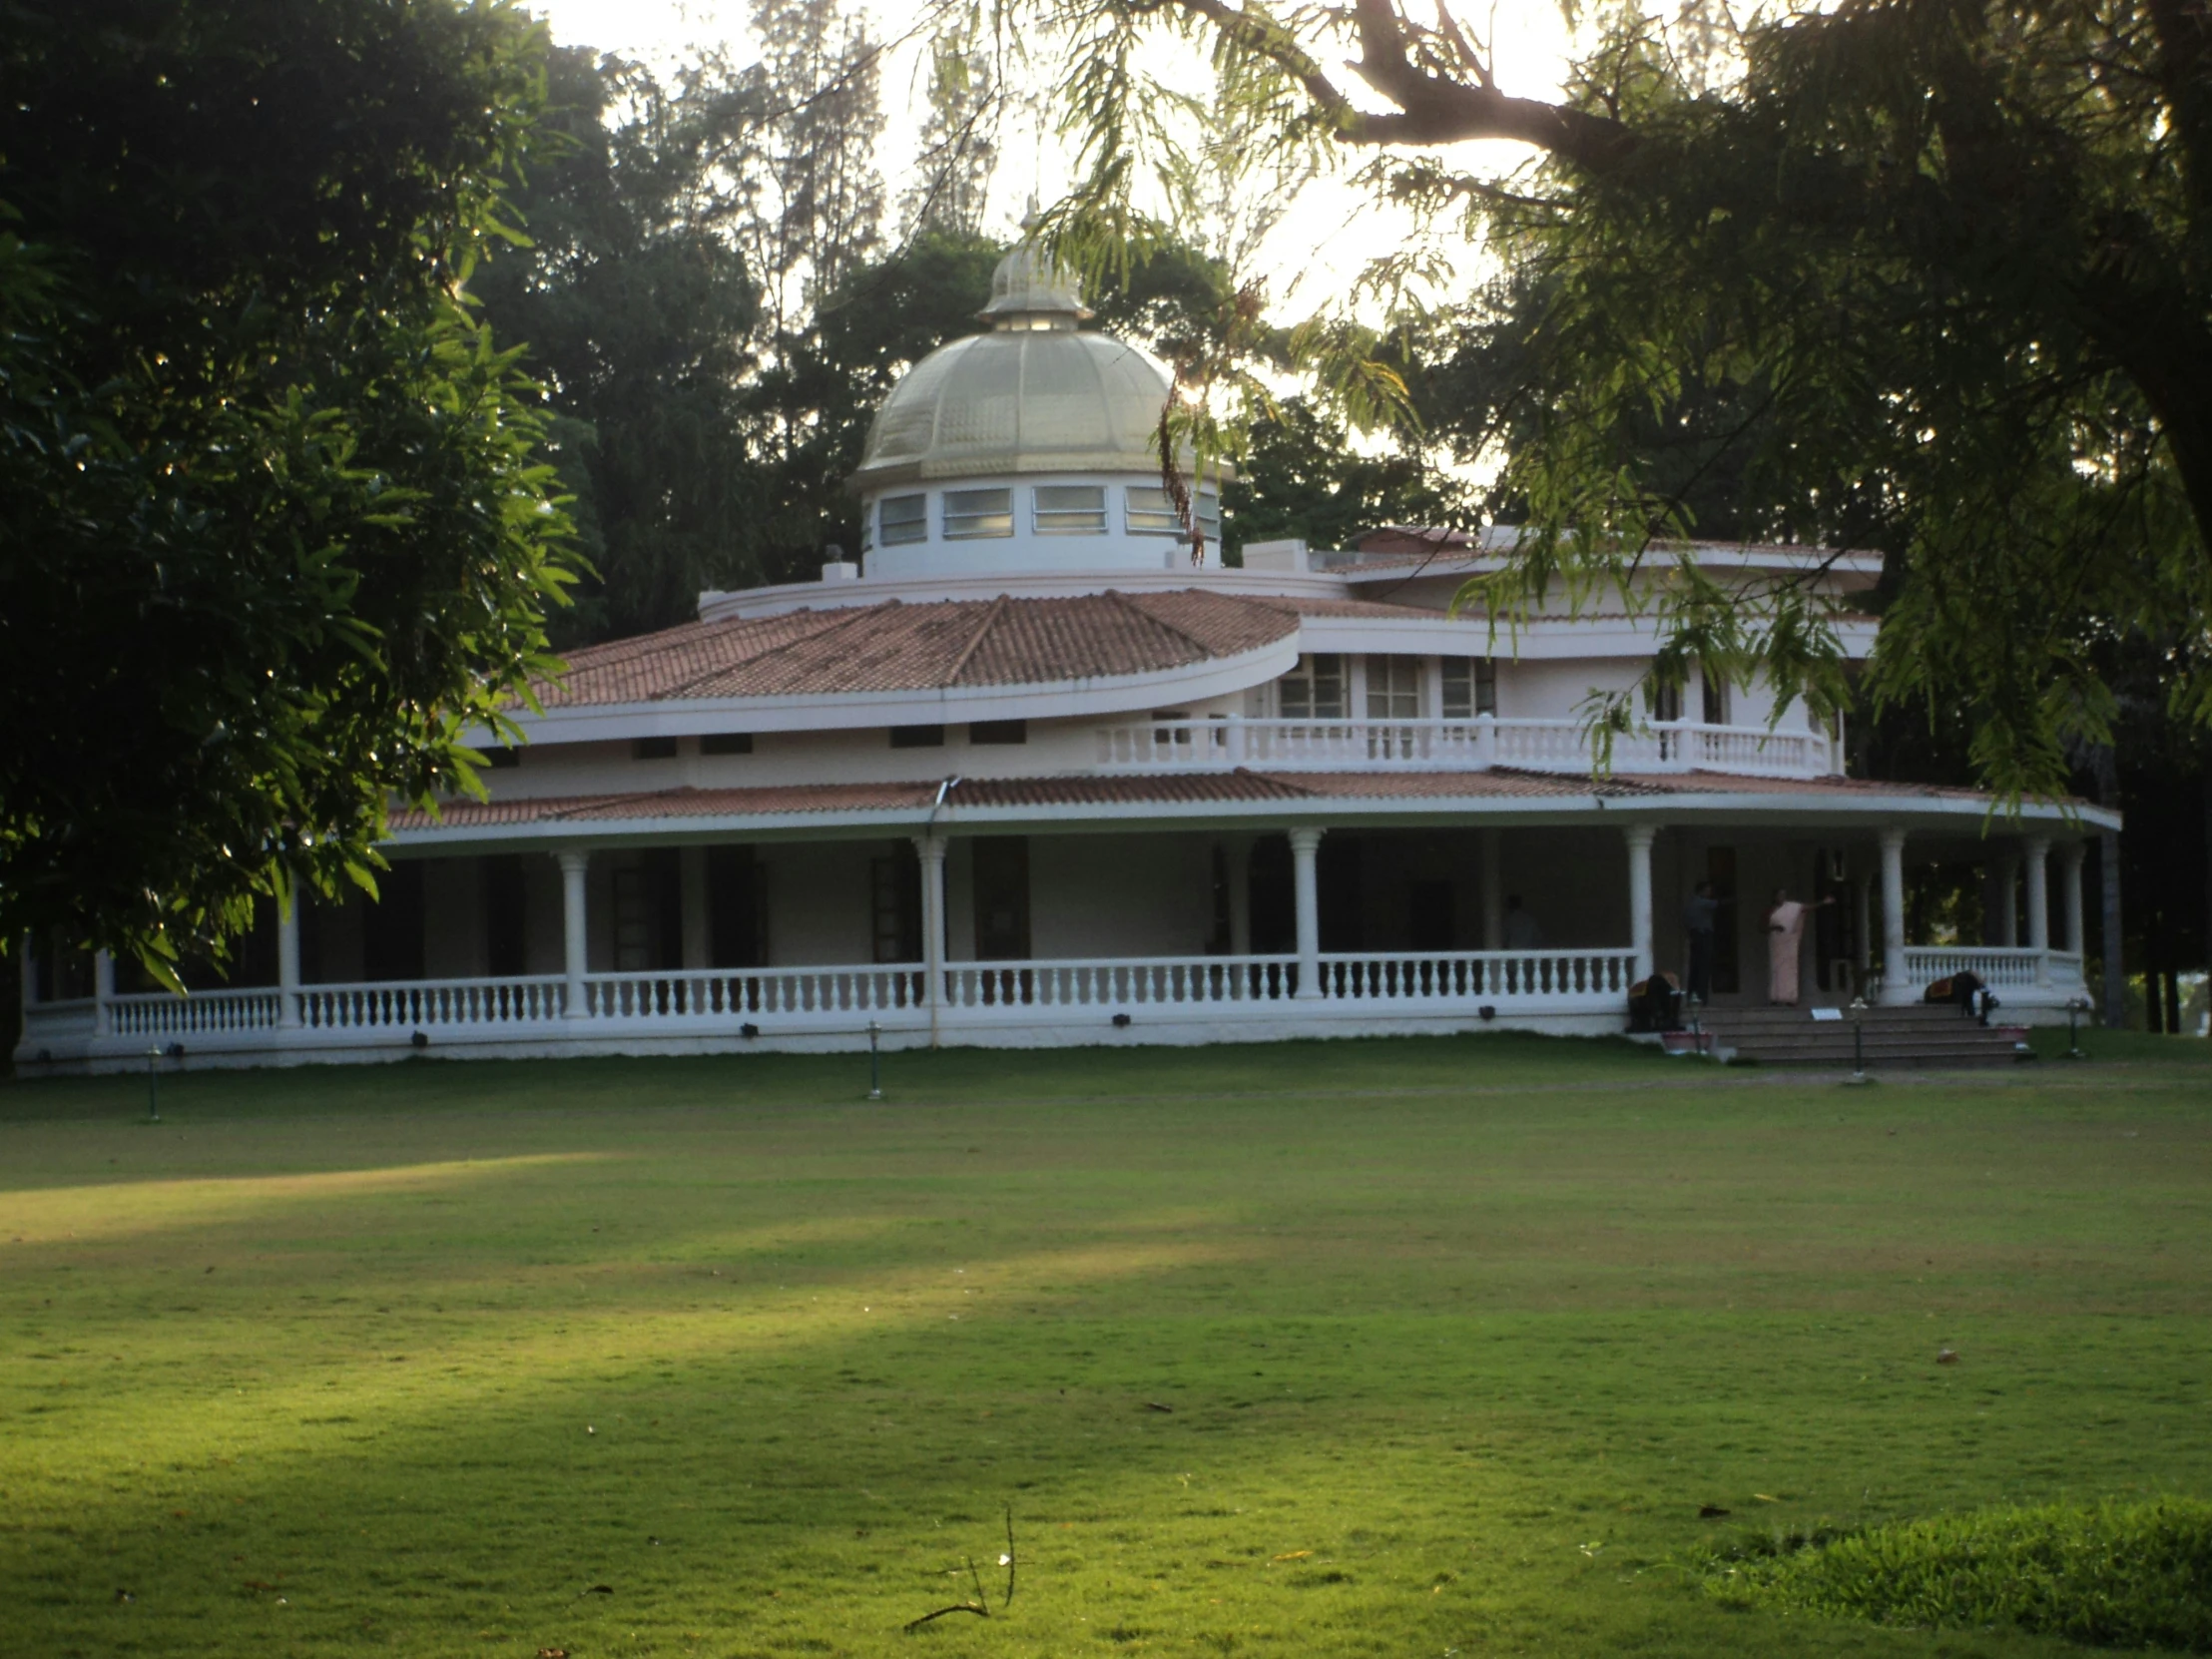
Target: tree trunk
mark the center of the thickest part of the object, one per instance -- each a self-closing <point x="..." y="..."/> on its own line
<point x="2113" y="942"/>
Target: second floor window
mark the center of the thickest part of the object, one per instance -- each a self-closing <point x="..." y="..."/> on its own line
<point x="969" y="514"/>
<point x="1715" y="701"/>
<point x="1071" y="509"/>
<point x="1393" y="688"/>
<point x="1315" y="690"/>
<point x="1468" y="689"/>
<point x="903" y="518"/>
<point x="1151" y="513"/>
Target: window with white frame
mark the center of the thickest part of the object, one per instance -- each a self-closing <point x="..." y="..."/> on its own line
<point x="903" y="518"/>
<point x="1314" y="690"/>
<point x="969" y="514"/>
<point x="1393" y="688"/>
<point x="1150" y="513"/>
<point x="1715" y="700"/>
<point x="1468" y="687"/>
<point x="1071" y="509"/>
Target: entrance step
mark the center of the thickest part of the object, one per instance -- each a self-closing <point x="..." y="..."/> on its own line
<point x="1912" y="1036"/>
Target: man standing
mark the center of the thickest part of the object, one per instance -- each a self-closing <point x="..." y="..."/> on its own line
<point x="1699" y="916"/>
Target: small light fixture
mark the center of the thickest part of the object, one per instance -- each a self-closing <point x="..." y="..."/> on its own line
<point x="1121" y="1022"/>
<point x="748" y="1030"/>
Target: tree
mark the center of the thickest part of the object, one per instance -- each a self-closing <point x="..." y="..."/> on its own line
<point x="1953" y="259"/>
<point x="639" y="317"/>
<point x="272" y="533"/>
<point x="959" y="145"/>
<point x="1299" y="474"/>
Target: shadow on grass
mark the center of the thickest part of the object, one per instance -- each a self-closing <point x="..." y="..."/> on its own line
<point x="917" y="1077"/>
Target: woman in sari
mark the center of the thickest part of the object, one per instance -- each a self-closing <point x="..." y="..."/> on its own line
<point x="1785" y="937"/>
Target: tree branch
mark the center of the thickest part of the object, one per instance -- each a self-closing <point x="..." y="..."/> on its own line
<point x="1432" y="109"/>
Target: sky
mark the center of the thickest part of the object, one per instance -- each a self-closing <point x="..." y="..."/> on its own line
<point x="1308" y="260"/>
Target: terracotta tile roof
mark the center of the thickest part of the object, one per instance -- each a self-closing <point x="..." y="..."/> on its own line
<point x="896" y="646"/>
<point x="1162" y="789"/>
<point x="685" y="803"/>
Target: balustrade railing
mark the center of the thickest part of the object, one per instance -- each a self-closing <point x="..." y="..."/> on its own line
<point x="1996" y="966"/>
<point x="165" y="1014"/>
<point x="430" y="1004"/>
<point x="1601" y="977"/>
<point x="1118" y="983"/>
<point x="1455" y="746"/>
<point x="740" y="993"/>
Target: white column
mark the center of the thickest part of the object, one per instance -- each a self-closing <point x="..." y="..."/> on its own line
<point x="2070" y="858"/>
<point x="691" y="889"/>
<point x="930" y="851"/>
<point x="1239" y="860"/>
<point x="1893" y="989"/>
<point x="1493" y="890"/>
<point x="103" y="992"/>
<point x="1639" y="838"/>
<point x="2008" y="902"/>
<point x="2038" y="905"/>
<point x="1305" y="843"/>
<point x="575" y="940"/>
<point x="287" y="961"/>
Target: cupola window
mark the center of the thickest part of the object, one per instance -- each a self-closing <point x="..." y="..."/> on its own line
<point x="1468" y="688"/>
<point x="903" y="518"/>
<point x="969" y="514"/>
<point x="1151" y="513"/>
<point x="1315" y="690"/>
<point x="1071" y="509"/>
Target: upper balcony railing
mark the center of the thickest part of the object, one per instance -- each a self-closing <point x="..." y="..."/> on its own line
<point x="1457" y="746"/>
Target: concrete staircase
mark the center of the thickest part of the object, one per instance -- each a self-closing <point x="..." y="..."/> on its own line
<point x="1912" y="1036"/>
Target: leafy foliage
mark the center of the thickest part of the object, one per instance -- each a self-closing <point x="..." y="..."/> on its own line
<point x="1927" y="279"/>
<point x="2117" y="1575"/>
<point x="271" y="531"/>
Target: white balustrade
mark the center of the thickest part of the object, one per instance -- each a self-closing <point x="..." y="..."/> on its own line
<point x="1118" y="983"/>
<point x="744" y="993"/>
<point x="1599" y="979"/>
<point x="428" y="1004"/>
<point x="1995" y="966"/>
<point x="165" y="1014"/>
<point x="1455" y="746"/>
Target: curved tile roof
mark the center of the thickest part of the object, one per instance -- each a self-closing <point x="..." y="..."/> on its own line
<point x="900" y="646"/>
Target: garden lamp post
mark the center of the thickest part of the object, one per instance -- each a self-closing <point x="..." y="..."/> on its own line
<point x="152" y="1085"/>
<point x="874" y="1063"/>
<point x="2076" y="1007"/>
<point x="1859" y="1039"/>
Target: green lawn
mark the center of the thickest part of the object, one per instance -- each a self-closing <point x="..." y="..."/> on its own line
<point x="1456" y="1337"/>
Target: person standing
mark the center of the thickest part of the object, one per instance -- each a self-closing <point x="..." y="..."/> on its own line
<point x="1785" y="938"/>
<point x="1700" y="916"/>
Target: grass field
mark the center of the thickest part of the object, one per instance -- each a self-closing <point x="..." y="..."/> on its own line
<point x="1454" y="1339"/>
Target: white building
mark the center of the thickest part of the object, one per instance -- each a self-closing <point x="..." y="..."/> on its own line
<point x="1029" y="774"/>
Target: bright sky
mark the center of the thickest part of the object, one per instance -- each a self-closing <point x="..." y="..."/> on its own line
<point x="1309" y="259"/>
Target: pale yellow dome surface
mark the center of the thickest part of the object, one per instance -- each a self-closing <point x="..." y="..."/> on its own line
<point x="1018" y="401"/>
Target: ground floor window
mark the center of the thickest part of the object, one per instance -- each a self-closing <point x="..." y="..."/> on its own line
<point x="894" y="898"/>
<point x="737" y="907"/>
<point x="1001" y="882"/>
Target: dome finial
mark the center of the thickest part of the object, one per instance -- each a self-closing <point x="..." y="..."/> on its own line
<point x="1029" y="290"/>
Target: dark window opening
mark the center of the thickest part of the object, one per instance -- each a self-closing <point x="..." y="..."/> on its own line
<point x="391" y="927"/>
<point x="499" y="757"/>
<point x="653" y="749"/>
<point x="726" y="743"/>
<point x="1716" y="701"/>
<point x="649" y="912"/>
<point x="918" y="737"/>
<point x="505" y="946"/>
<point x="1002" y="899"/>
<point x="998" y="731"/>
<point x="1429" y="923"/>
<point x="1720" y="869"/>
<point x="1342" y="894"/>
<point x="894" y="896"/>
<point x="737" y="907"/>
<point x="1273" y="898"/>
